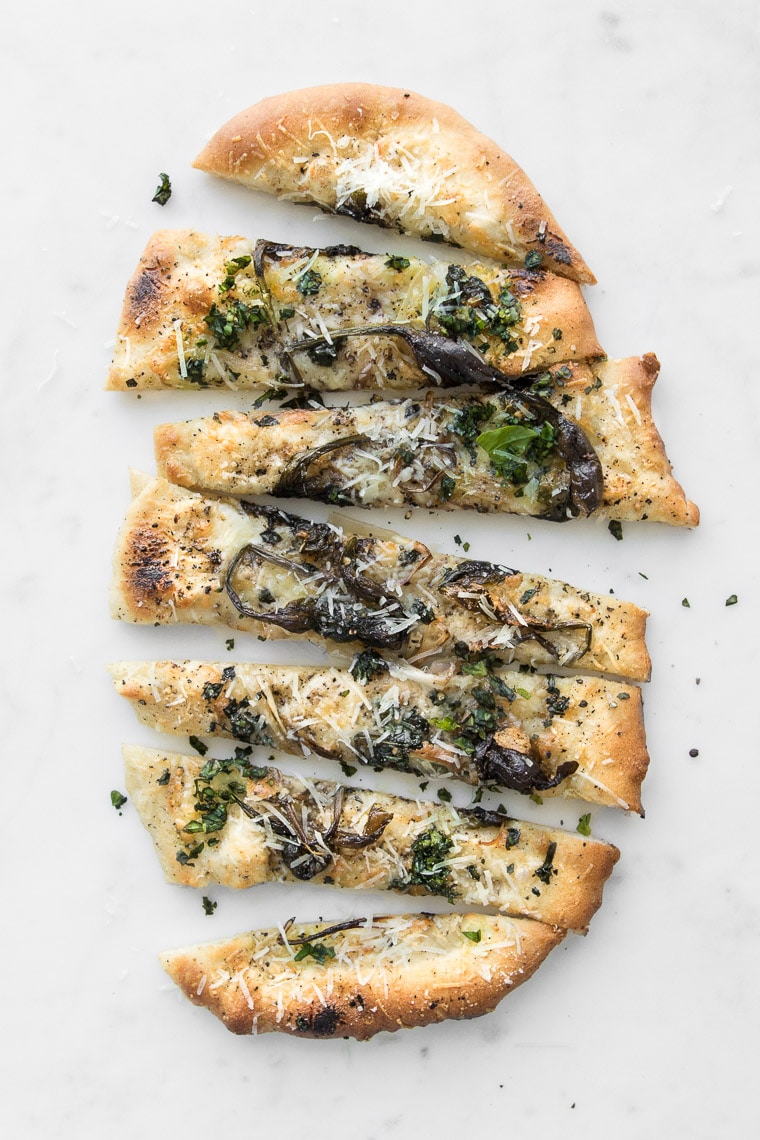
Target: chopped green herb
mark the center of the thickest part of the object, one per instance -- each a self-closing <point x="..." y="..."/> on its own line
<point x="446" y="488"/>
<point x="348" y="769"/>
<point x="273" y="393"/>
<point x="232" y="268"/>
<point x="198" y="745"/>
<point x="584" y="824"/>
<point x="398" y="263"/>
<point x="624" y="696"/>
<point x="544" y="872"/>
<point x="227" y="325"/>
<point x="429" y="850"/>
<point x="523" y="693"/>
<point x="208" y="905"/>
<point x="445" y="723"/>
<point x="316" y="950"/>
<point x="401" y="735"/>
<point x="324" y="354"/>
<point x="685" y="602"/>
<point x="118" y="799"/>
<point x="196" y="370"/>
<point x="473" y="935"/>
<point x="513" y="446"/>
<point x="309" y="283"/>
<point x="163" y="779"/>
<point x="533" y="259"/>
<point x="466" y="308"/>
<point x="185" y="857"/>
<point x="163" y="190"/>
<point x="230" y="643"/>
<point x="513" y="837"/>
<point x="615" y="527"/>
<point x="536" y="798"/>
<point x="367" y="665"/>
<point x="732" y="600"/>
<point x="557" y="334"/>
<point x="445" y="795"/>
<point x="468" y="421"/>
<point x="643" y="575"/>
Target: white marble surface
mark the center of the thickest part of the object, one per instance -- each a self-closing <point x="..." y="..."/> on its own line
<point x="638" y="122"/>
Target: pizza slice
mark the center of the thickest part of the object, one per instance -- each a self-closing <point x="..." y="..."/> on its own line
<point x="570" y="736"/>
<point x="396" y="159"/>
<point x="183" y="557"/>
<point x="362" y="976"/>
<point x="205" y="311"/>
<point x="579" y="440"/>
<point x="238" y="825"/>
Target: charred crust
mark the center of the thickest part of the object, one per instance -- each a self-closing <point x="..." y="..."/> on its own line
<point x="322" y="1024"/>
<point x="557" y="250"/>
<point x="144" y="294"/>
<point x="147" y="557"/>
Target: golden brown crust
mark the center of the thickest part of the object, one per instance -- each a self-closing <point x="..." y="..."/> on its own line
<point x="477" y="197"/>
<point x="598" y="725"/>
<point x="175" y="550"/>
<point x="401" y="972"/>
<point x="171" y="282"/>
<point x="183" y="274"/>
<point x="617" y="418"/>
<point x="518" y="868"/>
<point x="609" y="401"/>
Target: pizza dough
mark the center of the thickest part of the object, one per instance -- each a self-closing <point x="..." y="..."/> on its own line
<point x="203" y="311"/>
<point x="238" y="825"/>
<point x="178" y="552"/>
<point x="390" y="972"/>
<point x="394" y="158"/>
<point x="567" y="736"/>
<point x="424" y="453"/>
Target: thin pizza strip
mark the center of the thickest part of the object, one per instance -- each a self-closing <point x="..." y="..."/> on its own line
<point x="580" y="441"/>
<point x="396" y="159"/>
<point x="182" y="557"/>
<point x="204" y="311"/>
<point x="361" y="977"/>
<point x="230" y="823"/>
<point x="569" y="736"/>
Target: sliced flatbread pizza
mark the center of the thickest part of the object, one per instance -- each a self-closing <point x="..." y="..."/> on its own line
<point x="569" y="736"/>
<point x="203" y="311"/>
<point x="182" y="557"/>
<point x="579" y="441"/>
<point x="361" y="977"/>
<point x="396" y="159"/>
<point x="235" y="824"/>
